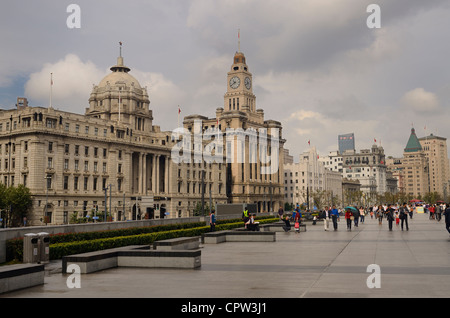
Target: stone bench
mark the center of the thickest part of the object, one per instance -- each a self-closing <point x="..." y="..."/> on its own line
<point x="237" y="236"/>
<point x="179" y="243"/>
<point x="19" y="276"/>
<point x="132" y="256"/>
<point x="278" y="227"/>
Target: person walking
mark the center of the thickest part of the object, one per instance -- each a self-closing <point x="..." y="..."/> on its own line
<point x="212" y="221"/>
<point x="447" y="217"/>
<point x="362" y="214"/>
<point x="356" y="215"/>
<point x="348" y="218"/>
<point x="334" y="217"/>
<point x="325" y="218"/>
<point x="404" y="215"/>
<point x="438" y="212"/>
<point x="380" y="214"/>
<point x="390" y="216"/>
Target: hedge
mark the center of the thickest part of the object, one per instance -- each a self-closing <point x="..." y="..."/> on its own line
<point x="76" y="243"/>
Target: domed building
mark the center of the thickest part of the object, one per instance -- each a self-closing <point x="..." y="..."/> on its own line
<point x="71" y="162"/>
<point x="119" y="97"/>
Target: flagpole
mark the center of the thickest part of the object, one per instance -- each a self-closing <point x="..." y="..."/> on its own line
<point x="120" y="103"/>
<point x="179" y="110"/>
<point x="51" y="89"/>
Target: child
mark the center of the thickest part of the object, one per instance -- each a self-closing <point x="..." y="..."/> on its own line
<point x="397" y="218"/>
<point x="297" y="226"/>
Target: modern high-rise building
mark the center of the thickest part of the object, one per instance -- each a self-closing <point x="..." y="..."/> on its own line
<point x="346" y="142"/>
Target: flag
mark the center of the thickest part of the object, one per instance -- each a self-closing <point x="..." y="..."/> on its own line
<point x="309" y="142"/>
<point x="179" y="110"/>
<point x="374" y="140"/>
<point x="120" y="43"/>
<point x="51" y="78"/>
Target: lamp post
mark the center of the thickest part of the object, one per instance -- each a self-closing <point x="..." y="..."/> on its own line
<point x="46" y="198"/>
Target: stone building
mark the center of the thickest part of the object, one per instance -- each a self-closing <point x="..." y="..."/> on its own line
<point x="309" y="179"/>
<point x="412" y="169"/>
<point x="113" y="156"/>
<point x="250" y="146"/>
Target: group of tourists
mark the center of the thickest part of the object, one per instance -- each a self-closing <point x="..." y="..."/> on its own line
<point x="352" y="215"/>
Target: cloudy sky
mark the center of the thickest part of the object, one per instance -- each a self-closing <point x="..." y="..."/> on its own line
<point x="316" y="66"/>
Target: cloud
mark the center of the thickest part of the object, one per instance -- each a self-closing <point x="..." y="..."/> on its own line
<point x="420" y="101"/>
<point x="73" y="80"/>
<point x="72" y="84"/>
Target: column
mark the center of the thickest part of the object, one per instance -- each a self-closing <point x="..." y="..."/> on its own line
<point x="144" y="177"/>
<point x="154" y="173"/>
<point x="166" y="175"/>
<point x="139" y="166"/>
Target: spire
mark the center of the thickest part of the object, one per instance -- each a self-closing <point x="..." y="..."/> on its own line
<point x="239" y="40"/>
<point x="120" y="67"/>
<point x="413" y="144"/>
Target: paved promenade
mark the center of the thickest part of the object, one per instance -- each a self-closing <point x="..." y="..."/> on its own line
<point x="316" y="263"/>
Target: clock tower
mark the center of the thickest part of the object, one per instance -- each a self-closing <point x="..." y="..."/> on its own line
<point x="239" y="95"/>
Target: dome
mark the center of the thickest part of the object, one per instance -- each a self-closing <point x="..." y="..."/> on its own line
<point x="119" y="74"/>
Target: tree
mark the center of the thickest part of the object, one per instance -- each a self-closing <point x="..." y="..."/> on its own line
<point x="17" y="201"/>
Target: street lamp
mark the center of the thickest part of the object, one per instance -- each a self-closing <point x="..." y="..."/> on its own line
<point x="46" y="198"/>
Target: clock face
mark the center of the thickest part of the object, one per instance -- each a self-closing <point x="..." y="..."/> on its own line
<point x="235" y="82"/>
<point x="248" y="82"/>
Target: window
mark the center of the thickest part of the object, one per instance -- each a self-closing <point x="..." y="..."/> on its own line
<point x="50" y="146"/>
<point x="50" y="163"/>
<point x="66" y="149"/>
<point x="66" y="184"/>
<point x="86" y="151"/>
<point x="77" y="150"/>
<point x="86" y="181"/>
<point x="75" y="183"/>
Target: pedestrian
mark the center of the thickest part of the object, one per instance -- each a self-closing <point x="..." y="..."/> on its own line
<point x="397" y="219"/>
<point x="325" y="218"/>
<point x="212" y="220"/>
<point x="404" y="215"/>
<point x="334" y="217"/>
<point x="447" y="217"/>
<point x="280" y="213"/>
<point x="348" y="218"/>
<point x="380" y="214"/>
<point x="356" y="215"/>
<point x="390" y="216"/>
<point x="438" y="212"/>
<point x="297" y="227"/>
<point x="432" y="210"/>
<point x="294" y="214"/>
<point x="362" y="214"/>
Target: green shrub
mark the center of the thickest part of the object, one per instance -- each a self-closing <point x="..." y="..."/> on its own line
<point x="77" y="243"/>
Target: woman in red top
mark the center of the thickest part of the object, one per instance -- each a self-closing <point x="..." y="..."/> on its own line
<point x="432" y="209"/>
<point x="348" y="217"/>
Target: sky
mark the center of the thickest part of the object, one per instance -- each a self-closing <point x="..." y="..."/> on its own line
<point x="317" y="67"/>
